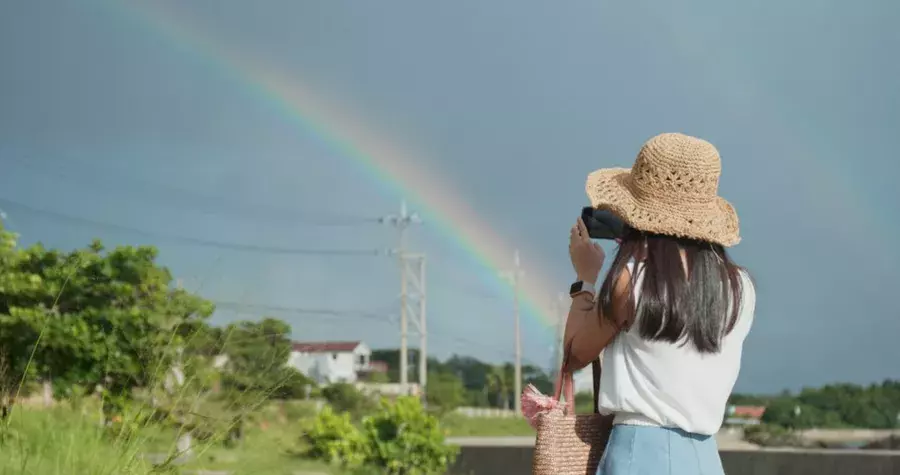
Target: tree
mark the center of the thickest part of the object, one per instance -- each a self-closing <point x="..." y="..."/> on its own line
<point x="484" y="384"/>
<point x="876" y="406"/>
<point x="537" y="377"/>
<point x="90" y="317"/>
<point x="444" y="392"/>
<point x="257" y="356"/>
<point x="14" y="336"/>
<point x="498" y="386"/>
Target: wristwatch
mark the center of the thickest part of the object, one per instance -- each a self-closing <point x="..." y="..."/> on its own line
<point x="579" y="287"/>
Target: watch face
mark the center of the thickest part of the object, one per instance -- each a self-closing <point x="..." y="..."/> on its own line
<point x="576" y="287"/>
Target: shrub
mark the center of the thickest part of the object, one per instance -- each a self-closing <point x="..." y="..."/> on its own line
<point x="444" y="393"/>
<point x="405" y="440"/>
<point x="334" y="439"/>
<point x="292" y="384"/>
<point x="770" y="435"/>
<point x="345" y="398"/>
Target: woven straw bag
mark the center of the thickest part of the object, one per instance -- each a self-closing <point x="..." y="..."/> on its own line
<point x="569" y="443"/>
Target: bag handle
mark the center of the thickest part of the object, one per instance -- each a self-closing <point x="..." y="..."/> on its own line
<point x="565" y="382"/>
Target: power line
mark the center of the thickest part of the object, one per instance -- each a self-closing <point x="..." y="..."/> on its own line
<point x="303" y="311"/>
<point x="324" y="312"/>
<point x="191" y="240"/>
<point x="198" y="200"/>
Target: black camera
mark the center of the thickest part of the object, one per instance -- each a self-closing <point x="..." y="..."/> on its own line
<point x="602" y="224"/>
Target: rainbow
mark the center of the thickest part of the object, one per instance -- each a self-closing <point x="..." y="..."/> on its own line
<point x="383" y="159"/>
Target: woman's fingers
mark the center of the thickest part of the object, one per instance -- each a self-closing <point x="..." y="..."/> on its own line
<point x="582" y="230"/>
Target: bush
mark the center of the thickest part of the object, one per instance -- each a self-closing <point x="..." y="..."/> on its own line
<point x="444" y="392"/>
<point x="334" y="439"/>
<point x="769" y="435"/>
<point x="405" y="440"/>
<point x="400" y="439"/>
<point x="292" y="384"/>
<point x="346" y="398"/>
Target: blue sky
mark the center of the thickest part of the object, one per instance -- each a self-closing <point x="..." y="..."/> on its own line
<point x="512" y="103"/>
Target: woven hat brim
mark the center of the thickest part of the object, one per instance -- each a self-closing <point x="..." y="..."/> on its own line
<point x="612" y="189"/>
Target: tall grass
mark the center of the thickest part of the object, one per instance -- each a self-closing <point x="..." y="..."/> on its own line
<point x="65" y="441"/>
<point x="61" y="441"/>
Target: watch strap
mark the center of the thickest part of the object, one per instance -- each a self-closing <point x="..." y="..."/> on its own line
<point x="581" y="287"/>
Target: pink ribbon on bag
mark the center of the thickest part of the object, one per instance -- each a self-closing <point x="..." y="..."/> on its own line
<point x="535" y="403"/>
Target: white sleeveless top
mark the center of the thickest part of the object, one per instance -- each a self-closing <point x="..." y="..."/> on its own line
<point x="663" y="384"/>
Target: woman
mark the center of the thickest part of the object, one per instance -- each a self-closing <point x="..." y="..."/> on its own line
<point x="671" y="316"/>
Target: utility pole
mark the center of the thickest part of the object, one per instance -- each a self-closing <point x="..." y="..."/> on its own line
<point x="414" y="275"/>
<point x="402" y="222"/>
<point x="514" y="276"/>
<point x="423" y="333"/>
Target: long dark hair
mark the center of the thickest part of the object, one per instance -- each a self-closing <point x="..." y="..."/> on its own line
<point x="694" y="299"/>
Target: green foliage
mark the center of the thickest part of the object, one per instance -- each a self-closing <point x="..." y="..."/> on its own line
<point x="257" y="354"/>
<point x="444" y="392"/>
<point x="60" y="441"/>
<point x="256" y="371"/>
<point x="766" y="435"/>
<point x="111" y="319"/>
<point x="343" y="397"/>
<point x="89" y="317"/>
<point x="334" y="439"/>
<point x="876" y="406"/>
<point x="584" y="402"/>
<point x="291" y="384"/>
<point x="457" y="425"/>
<point x="378" y="378"/>
<point x="400" y="439"/>
<point x="738" y="399"/>
<point x="405" y="440"/>
<point x="484" y="385"/>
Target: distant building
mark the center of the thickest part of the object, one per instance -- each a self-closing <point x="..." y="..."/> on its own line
<point x="390" y="389"/>
<point x="329" y="362"/>
<point x="744" y="415"/>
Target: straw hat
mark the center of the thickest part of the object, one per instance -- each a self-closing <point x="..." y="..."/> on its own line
<point x="672" y="189"/>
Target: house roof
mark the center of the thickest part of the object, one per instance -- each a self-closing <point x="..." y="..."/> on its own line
<point x="325" y="346"/>
<point x="753" y="412"/>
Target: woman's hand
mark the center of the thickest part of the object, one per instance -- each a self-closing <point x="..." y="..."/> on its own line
<point x="587" y="256"/>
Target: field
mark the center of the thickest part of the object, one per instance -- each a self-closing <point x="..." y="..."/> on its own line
<point x="63" y="440"/>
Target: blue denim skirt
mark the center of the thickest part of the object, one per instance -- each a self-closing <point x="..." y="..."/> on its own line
<point x="640" y="450"/>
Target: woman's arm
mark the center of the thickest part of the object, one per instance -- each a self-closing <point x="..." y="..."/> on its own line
<point x="588" y="331"/>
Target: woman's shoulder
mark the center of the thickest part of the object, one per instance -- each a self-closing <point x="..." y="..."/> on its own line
<point x="747" y="301"/>
<point x="748" y="283"/>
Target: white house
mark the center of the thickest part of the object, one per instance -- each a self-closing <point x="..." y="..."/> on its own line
<point x="329" y="362"/>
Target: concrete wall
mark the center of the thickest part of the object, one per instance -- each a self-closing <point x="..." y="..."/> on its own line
<point x="515" y="460"/>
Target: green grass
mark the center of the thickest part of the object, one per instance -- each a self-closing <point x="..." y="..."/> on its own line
<point x="460" y="426"/>
<point x="63" y="441"/>
<point x="269" y="447"/>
